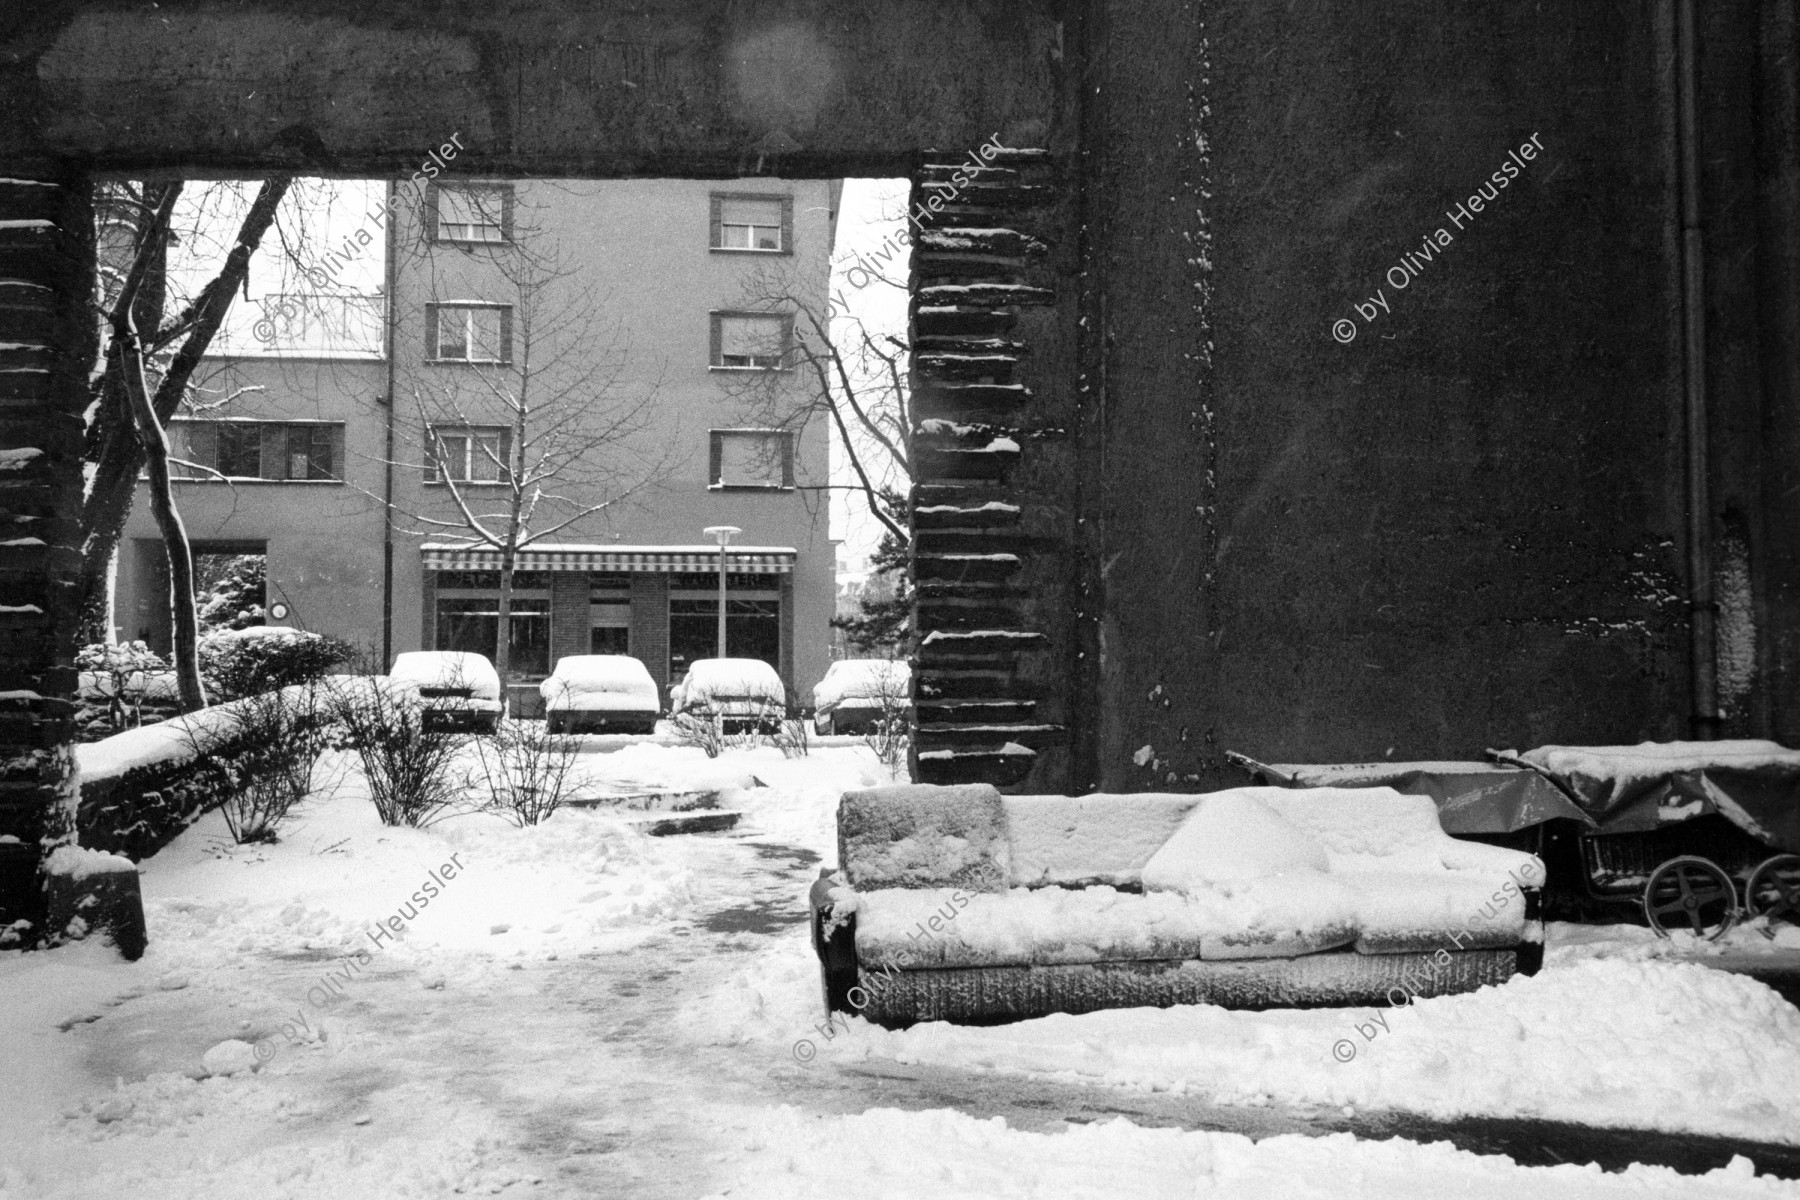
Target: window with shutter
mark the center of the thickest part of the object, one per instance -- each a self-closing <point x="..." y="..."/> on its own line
<point x="757" y="341"/>
<point x="754" y="223"/>
<point x="473" y="333"/>
<point x="473" y="212"/>
<point x="469" y="454"/>
<point x="760" y="458"/>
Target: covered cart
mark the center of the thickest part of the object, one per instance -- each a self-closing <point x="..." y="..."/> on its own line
<point x="1690" y="834"/>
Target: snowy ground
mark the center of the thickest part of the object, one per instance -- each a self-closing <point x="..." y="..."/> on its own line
<point x="580" y="1010"/>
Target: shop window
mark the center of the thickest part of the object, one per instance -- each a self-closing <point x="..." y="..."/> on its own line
<point x="468" y="618"/>
<point x="752" y="630"/>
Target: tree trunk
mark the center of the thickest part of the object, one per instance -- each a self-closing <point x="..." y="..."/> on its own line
<point x="503" y="638"/>
<point x="162" y="502"/>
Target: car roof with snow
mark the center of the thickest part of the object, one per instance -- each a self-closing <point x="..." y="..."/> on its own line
<point x="447" y="668"/>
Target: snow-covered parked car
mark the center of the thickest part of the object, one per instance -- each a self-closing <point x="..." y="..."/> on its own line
<point x="858" y="693"/>
<point x="600" y="693"/>
<point x="745" y="692"/>
<point x="459" y="690"/>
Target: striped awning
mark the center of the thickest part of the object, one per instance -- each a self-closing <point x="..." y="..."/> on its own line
<point x="748" y="560"/>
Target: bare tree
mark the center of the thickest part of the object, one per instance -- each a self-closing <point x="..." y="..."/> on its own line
<point x="854" y="379"/>
<point x="127" y="415"/>
<point x="850" y="377"/>
<point x="539" y="434"/>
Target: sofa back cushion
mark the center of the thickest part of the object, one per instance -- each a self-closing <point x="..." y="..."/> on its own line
<point x="1077" y="841"/>
<point x="921" y="835"/>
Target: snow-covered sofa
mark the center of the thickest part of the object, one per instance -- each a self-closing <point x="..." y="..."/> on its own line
<point x="960" y="904"/>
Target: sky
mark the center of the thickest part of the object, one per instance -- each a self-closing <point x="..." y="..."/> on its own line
<point x="871" y="214"/>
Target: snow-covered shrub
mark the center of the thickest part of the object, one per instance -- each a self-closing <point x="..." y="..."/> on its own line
<point x="277" y="739"/>
<point x="230" y="590"/>
<point x="262" y="658"/>
<point x="703" y="730"/>
<point x="793" y="738"/>
<point x="526" y="769"/>
<point x="112" y="684"/>
<point x="407" y="763"/>
<point x="890" y="733"/>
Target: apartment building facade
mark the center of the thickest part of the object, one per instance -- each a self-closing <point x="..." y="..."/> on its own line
<point x="591" y="374"/>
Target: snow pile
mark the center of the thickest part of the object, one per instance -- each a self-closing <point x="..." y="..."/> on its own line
<point x="939" y="1154"/>
<point x="78" y="863"/>
<point x="449" y="669"/>
<point x="600" y="683"/>
<point x="731" y="685"/>
<point x="1603" y="1042"/>
<point x="580" y="881"/>
<point x="1231" y="836"/>
<point x="863" y="683"/>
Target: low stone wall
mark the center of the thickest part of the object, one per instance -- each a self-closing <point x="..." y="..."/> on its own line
<point x="142" y="787"/>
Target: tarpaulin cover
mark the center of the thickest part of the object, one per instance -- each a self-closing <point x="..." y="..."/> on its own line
<point x="1472" y="797"/>
<point x="1632" y="789"/>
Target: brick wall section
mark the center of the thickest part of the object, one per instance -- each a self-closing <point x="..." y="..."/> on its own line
<point x="46" y="277"/>
<point x="990" y="458"/>
<point x="568" y="615"/>
<point x="650" y="626"/>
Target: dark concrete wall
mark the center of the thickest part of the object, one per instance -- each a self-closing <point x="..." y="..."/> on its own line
<point x="710" y="88"/>
<point x="1464" y="528"/>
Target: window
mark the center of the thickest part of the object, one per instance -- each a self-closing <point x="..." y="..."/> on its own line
<point x="476" y="333"/>
<point x="752" y="630"/>
<point x="469" y="454"/>
<point x="468" y="618"/>
<point x="272" y="450"/>
<point x="472" y="212"/>
<point x="755" y="458"/>
<point x="751" y="340"/>
<point x="754" y="223"/>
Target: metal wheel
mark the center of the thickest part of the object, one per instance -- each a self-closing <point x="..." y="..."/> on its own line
<point x="1690" y="892"/>
<point x="1774" y="889"/>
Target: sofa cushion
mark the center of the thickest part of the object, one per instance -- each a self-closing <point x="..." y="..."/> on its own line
<point x="944" y="927"/>
<point x="923" y="836"/>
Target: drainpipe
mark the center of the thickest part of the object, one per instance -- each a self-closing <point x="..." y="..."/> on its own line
<point x="1702" y="613"/>
<point x="387" y="458"/>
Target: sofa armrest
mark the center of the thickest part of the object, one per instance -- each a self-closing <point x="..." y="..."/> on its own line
<point x="834" y="941"/>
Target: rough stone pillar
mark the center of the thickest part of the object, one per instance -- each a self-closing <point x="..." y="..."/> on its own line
<point x="47" y="347"/>
<point x="992" y="341"/>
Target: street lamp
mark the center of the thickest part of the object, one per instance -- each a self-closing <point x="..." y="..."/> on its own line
<point x="722" y="534"/>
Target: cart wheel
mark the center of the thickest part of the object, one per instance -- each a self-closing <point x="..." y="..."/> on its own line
<point x="1774" y="889"/>
<point x="1690" y="891"/>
